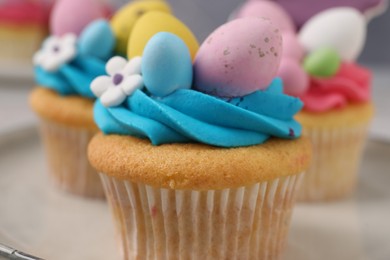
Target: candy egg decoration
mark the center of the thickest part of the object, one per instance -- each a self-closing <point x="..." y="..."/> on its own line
<point x="97" y="40"/>
<point x="295" y="79"/>
<point x="166" y="64"/>
<point x="342" y="29"/>
<point x="292" y="48"/>
<point x="154" y="22"/>
<point x="270" y="10"/>
<point x="238" y="58"/>
<point x="322" y="63"/>
<point x="72" y="16"/>
<point x="124" y="20"/>
<point x="293" y="51"/>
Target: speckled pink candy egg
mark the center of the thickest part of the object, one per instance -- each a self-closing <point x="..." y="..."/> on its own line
<point x="238" y="58"/>
<point x="72" y="16"/>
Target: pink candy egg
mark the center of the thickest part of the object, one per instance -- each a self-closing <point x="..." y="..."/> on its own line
<point x="295" y="79"/>
<point x="238" y="58"/>
<point x="271" y="10"/>
<point x="72" y="16"/>
<point x="292" y="48"/>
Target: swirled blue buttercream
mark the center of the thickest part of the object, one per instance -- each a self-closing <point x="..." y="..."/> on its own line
<point x="73" y="78"/>
<point x="94" y="47"/>
<point x="190" y="116"/>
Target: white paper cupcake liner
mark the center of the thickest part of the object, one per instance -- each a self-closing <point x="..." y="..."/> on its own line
<point x="245" y="223"/>
<point x="336" y="159"/>
<point x="66" y="152"/>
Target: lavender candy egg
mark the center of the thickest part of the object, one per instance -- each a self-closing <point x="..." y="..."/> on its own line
<point x="238" y="58"/>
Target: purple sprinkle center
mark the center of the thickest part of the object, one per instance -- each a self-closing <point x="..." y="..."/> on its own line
<point x="118" y="78"/>
<point x="292" y="133"/>
<point x="56" y="49"/>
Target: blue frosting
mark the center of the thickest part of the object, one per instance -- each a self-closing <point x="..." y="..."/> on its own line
<point x="190" y="116"/>
<point x="73" y="78"/>
<point x="94" y="47"/>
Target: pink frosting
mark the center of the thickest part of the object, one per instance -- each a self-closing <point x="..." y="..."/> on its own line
<point x="352" y="84"/>
<point x="24" y="12"/>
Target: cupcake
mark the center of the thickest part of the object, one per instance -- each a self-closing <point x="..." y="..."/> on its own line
<point x="338" y="107"/>
<point x="23" y="25"/>
<point x="319" y="66"/>
<point x="199" y="154"/>
<point x="74" y="54"/>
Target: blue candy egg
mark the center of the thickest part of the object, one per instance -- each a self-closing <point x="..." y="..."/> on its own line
<point x="166" y="64"/>
<point x="97" y="40"/>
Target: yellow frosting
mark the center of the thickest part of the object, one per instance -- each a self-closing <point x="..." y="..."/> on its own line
<point x="154" y="22"/>
<point x="124" y="20"/>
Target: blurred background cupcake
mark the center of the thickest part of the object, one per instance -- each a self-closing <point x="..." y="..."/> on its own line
<point x="23" y="26"/>
<point x="75" y="54"/>
<point x="69" y="59"/>
<point x="338" y="101"/>
<point x="319" y="66"/>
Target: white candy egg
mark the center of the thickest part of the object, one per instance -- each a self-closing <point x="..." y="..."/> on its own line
<point x="343" y="29"/>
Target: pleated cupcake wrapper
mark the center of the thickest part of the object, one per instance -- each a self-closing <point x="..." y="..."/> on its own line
<point x="245" y="223"/>
<point x="66" y="152"/>
<point x="337" y="154"/>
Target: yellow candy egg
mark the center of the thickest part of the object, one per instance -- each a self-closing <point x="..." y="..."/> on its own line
<point x="154" y="22"/>
<point x="123" y="21"/>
